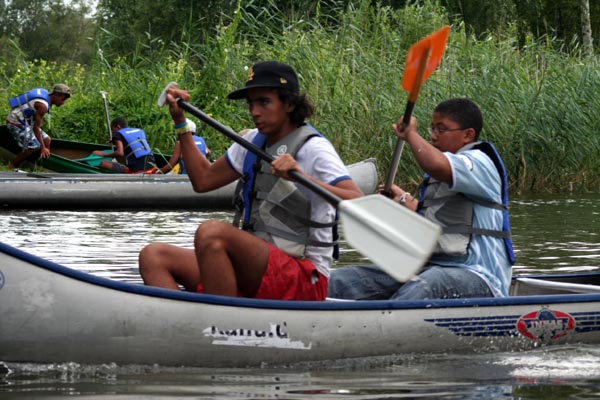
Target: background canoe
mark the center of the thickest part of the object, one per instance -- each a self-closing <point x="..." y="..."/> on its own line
<point x="67" y="156"/>
<point x="19" y="190"/>
<point x="51" y="314"/>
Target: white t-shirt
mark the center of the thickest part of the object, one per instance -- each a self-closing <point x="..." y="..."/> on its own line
<point x="317" y="158"/>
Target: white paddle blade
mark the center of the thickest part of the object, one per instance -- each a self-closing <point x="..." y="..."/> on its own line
<point x="162" y="99"/>
<point x="395" y="238"/>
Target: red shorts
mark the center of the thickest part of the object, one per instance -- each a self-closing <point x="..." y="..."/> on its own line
<point x="289" y="278"/>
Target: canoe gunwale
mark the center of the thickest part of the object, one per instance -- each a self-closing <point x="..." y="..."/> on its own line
<point x="296" y="305"/>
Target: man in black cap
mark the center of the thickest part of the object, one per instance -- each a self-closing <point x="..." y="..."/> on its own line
<point x="286" y="246"/>
<point x="25" y="120"/>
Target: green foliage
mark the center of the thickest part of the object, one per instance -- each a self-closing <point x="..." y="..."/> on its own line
<point x="52" y="30"/>
<point x="539" y="104"/>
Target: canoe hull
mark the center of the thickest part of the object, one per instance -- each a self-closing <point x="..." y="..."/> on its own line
<point x="85" y="191"/>
<point x="51" y="313"/>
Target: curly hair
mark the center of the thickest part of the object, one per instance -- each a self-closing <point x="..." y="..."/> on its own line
<point x="303" y="108"/>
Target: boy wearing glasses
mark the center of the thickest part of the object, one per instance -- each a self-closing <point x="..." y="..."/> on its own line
<point x="465" y="190"/>
<point x="25" y="118"/>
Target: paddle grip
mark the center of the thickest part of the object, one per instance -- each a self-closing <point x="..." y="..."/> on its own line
<point x="325" y="194"/>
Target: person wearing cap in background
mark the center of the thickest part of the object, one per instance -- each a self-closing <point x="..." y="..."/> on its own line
<point x="175" y="165"/>
<point x="131" y="149"/>
<point x="285" y="248"/>
<point x="25" y="117"/>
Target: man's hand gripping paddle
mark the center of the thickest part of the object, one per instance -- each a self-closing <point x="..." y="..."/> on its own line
<point x="422" y="59"/>
<point x="399" y="241"/>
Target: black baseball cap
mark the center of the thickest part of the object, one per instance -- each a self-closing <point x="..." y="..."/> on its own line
<point x="268" y="74"/>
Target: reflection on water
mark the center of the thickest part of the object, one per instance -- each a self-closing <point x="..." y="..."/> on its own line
<point x="556" y="234"/>
<point x="102" y="243"/>
<point x="558" y="373"/>
<point x="107" y="243"/>
<point x="550" y="235"/>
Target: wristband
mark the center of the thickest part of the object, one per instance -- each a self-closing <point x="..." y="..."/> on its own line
<point x="402" y="199"/>
<point x="182" y="128"/>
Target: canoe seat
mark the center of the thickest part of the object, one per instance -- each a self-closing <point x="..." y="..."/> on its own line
<point x="553" y="286"/>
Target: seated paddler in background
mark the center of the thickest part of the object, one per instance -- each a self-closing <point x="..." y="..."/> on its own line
<point x="465" y="190"/>
<point x="176" y="165"/>
<point x="130" y="148"/>
<point x="285" y="248"/>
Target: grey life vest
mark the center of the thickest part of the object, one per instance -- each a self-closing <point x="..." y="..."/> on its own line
<point x="454" y="213"/>
<point x="275" y="209"/>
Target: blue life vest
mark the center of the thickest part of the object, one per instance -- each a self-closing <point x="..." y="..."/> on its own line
<point x="136" y="144"/>
<point x="23" y="99"/>
<point x="459" y="202"/>
<point x="201" y="145"/>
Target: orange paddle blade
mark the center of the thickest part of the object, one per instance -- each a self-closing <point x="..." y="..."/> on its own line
<point x="431" y="47"/>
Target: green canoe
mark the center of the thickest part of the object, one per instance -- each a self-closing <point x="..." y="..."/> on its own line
<point x="67" y="156"/>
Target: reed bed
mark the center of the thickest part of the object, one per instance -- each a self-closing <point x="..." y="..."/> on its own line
<point x="540" y="106"/>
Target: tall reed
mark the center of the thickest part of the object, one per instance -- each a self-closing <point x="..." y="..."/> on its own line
<point x="539" y="105"/>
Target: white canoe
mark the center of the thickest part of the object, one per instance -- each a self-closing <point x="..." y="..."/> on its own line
<point x="113" y="191"/>
<point x="51" y="313"/>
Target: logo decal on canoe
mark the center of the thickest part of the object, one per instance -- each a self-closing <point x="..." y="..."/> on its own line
<point x="545" y="324"/>
<point x="276" y="336"/>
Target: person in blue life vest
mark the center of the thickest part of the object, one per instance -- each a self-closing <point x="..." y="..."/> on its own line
<point x="131" y="149"/>
<point x="465" y="192"/>
<point x="285" y="247"/>
<point x="176" y="165"/>
<point x="25" y="118"/>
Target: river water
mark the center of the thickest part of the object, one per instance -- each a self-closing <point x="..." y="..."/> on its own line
<point x="551" y="234"/>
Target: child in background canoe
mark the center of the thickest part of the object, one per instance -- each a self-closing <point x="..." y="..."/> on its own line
<point x="175" y="165"/>
<point x="286" y="248"/>
<point x="466" y="192"/>
<point x="131" y="149"/>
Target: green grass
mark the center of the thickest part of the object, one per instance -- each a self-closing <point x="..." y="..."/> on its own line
<point x="540" y="106"/>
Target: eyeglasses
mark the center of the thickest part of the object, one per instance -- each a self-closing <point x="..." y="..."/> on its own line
<point x="441" y="131"/>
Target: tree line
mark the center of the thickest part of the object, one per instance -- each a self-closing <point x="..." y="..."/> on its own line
<point x="73" y="31"/>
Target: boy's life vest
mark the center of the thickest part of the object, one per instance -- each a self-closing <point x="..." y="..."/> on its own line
<point x="454" y="211"/>
<point x="23" y="101"/>
<point x="273" y="208"/>
<point x="136" y="144"/>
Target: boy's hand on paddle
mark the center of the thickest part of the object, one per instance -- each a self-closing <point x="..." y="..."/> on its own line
<point x="403" y="131"/>
<point x="174" y="93"/>
<point x="283" y="164"/>
<point x="395" y="191"/>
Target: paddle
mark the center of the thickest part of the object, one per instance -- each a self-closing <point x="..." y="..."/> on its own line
<point x="422" y="59"/>
<point x="103" y="93"/>
<point x="398" y="240"/>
